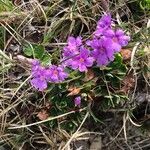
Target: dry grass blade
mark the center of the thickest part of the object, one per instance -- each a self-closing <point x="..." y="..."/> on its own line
<point x="76" y="133"/>
<point x="50" y="142"/>
<point x="5" y="56"/>
<point x="43" y="121"/>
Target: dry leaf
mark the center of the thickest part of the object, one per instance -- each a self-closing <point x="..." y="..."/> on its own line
<point x="129" y="81"/>
<point x="43" y="115"/>
<point x="89" y="75"/>
<point x="124" y="89"/>
<point x="73" y="91"/>
<point x="126" y="54"/>
<point x="48" y="105"/>
<point x="16" y="2"/>
<point x="90" y="97"/>
<point x="128" y="84"/>
<point x="23" y="59"/>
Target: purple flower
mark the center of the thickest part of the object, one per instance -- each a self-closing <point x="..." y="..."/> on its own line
<point x="118" y="37"/>
<point x="103" y="51"/>
<point x="39" y="83"/>
<point x="39" y="76"/>
<point x="82" y="61"/>
<point x="42" y="75"/>
<point x="56" y="74"/>
<point x="103" y="24"/>
<point x="77" y="101"/>
<point x="72" y="47"/>
<point x="35" y="66"/>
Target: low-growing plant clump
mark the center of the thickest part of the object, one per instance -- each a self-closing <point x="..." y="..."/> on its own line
<point x="74" y="74"/>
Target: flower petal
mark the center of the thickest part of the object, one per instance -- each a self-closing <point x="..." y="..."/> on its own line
<point x="89" y="61"/>
<point x="123" y="40"/>
<point x="39" y="83"/>
<point x="74" y="65"/>
<point x="116" y="46"/>
<point x="77" y="101"/>
<point x="82" y="68"/>
<point x="102" y="60"/>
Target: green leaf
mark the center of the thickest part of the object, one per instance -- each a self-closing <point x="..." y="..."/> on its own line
<point x="46" y="59"/>
<point x="39" y="51"/>
<point x="87" y="2"/>
<point x="6" y="5"/>
<point x="28" y="50"/>
<point x="109" y="75"/>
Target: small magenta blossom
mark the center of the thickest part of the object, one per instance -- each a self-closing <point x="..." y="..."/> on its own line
<point x="119" y="39"/>
<point x="82" y="61"/>
<point x="71" y="50"/>
<point x="77" y="101"/>
<point x="39" y="83"/>
<point x="39" y="76"/>
<point x="56" y="74"/>
<point x="72" y="47"/>
<point x="103" y="51"/>
<point x="103" y="24"/>
<point x="42" y="75"/>
<point x="35" y="67"/>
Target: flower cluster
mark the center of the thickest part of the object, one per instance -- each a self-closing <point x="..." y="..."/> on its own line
<point x="76" y="56"/>
<point x="79" y="55"/>
<point x="106" y="41"/>
<point x="103" y="25"/>
<point x="42" y="75"/>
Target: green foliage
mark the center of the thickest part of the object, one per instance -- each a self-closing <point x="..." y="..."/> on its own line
<point x="2" y="39"/>
<point x="6" y="5"/>
<point x="37" y="51"/>
<point x="73" y="21"/>
<point x="104" y="81"/>
<point x="108" y="80"/>
<point x="145" y="4"/>
<point x="102" y="84"/>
